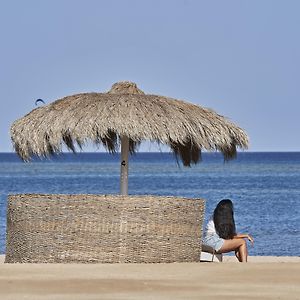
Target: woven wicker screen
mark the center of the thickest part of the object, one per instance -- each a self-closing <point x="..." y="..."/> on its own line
<point x="103" y="229"/>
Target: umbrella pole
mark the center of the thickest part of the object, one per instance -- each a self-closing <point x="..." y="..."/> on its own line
<point x="124" y="165"/>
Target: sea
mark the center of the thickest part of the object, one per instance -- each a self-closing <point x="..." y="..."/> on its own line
<point x="264" y="187"/>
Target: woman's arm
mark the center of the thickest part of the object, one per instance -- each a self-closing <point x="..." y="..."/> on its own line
<point x="244" y="236"/>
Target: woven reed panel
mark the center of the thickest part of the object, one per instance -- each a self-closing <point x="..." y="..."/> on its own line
<point x="103" y="229"/>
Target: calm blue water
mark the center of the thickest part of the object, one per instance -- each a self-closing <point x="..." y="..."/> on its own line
<point x="265" y="187"/>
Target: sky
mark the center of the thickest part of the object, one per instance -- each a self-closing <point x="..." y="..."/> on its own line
<point x="238" y="57"/>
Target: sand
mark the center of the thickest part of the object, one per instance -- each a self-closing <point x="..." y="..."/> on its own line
<point x="261" y="278"/>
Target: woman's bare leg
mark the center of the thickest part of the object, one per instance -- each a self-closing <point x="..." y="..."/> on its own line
<point x="237" y="245"/>
<point x="237" y="255"/>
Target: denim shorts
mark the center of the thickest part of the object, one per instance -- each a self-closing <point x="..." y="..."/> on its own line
<point x="214" y="241"/>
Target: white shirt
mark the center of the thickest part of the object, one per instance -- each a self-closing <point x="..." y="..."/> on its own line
<point x="210" y="228"/>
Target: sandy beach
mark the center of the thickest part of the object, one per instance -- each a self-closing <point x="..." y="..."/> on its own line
<point x="261" y="278"/>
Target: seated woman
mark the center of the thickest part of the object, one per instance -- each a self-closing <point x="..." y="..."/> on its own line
<point x="221" y="234"/>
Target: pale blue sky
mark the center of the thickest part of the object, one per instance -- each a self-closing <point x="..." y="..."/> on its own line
<point x="241" y="58"/>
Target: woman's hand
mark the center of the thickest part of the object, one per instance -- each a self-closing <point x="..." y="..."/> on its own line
<point x="245" y="236"/>
<point x="250" y="239"/>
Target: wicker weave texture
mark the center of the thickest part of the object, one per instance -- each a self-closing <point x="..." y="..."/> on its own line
<point x="103" y="229"/>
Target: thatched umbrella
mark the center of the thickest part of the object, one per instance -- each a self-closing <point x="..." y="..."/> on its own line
<point x="125" y="116"/>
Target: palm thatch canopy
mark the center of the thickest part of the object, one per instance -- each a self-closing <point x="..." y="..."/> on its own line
<point x="125" y="110"/>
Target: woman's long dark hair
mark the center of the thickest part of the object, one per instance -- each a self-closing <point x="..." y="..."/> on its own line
<point x="224" y="220"/>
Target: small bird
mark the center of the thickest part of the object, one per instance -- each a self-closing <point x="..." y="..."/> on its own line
<point x="39" y="100"/>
